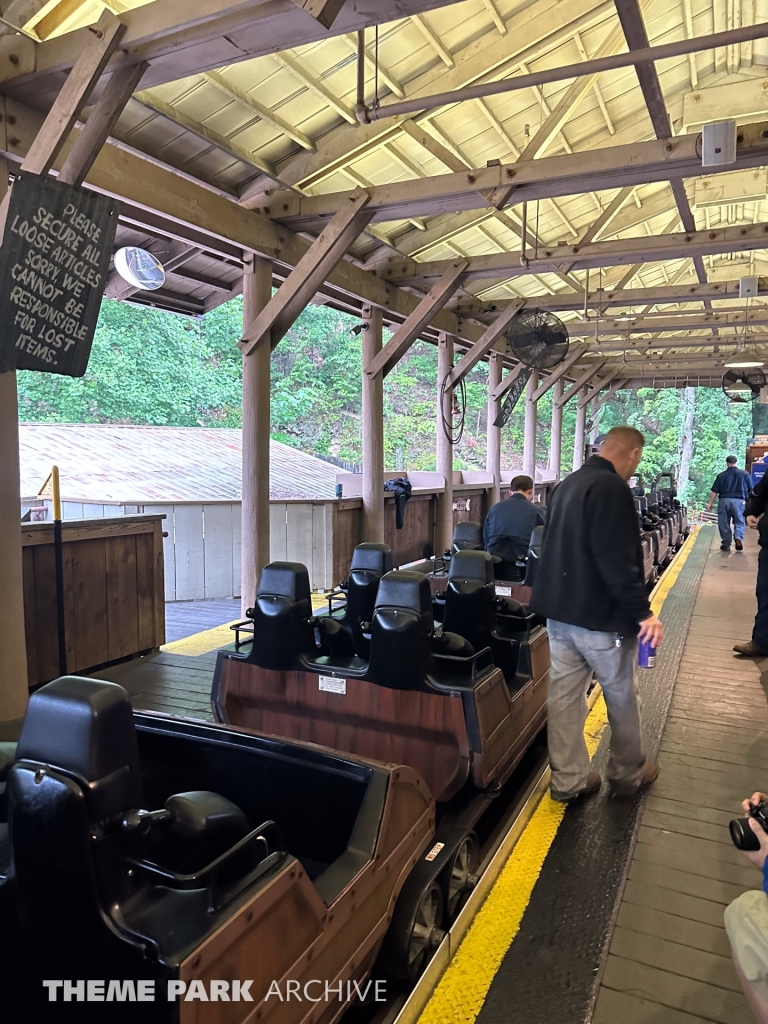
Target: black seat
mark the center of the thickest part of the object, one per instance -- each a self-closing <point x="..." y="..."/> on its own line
<point x="467" y="536"/>
<point x="534" y="554"/>
<point x="370" y="562"/>
<point x="470" y="597"/>
<point x="282" y="617"/>
<point x="84" y="729"/>
<point x="404" y="646"/>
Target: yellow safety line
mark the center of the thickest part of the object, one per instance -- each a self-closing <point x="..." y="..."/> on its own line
<point x="461" y="991"/>
<point x="202" y="643"/>
<point x="220" y="636"/>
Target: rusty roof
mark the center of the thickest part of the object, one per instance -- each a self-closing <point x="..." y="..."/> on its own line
<point x="143" y="464"/>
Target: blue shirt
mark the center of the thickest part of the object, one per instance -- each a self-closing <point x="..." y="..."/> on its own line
<point x="509" y="525"/>
<point x="733" y="483"/>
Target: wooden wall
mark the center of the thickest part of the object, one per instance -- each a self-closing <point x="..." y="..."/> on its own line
<point x="114" y="603"/>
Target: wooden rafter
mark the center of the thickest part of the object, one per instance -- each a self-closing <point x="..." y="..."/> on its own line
<point x="302" y="283"/>
<point x="386" y="360"/>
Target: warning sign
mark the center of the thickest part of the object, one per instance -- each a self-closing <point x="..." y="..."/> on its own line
<point x="53" y="270"/>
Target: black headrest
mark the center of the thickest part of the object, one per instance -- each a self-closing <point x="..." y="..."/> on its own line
<point x="469" y="532"/>
<point x="472" y="565"/>
<point x="406" y="590"/>
<point x="85" y="727"/>
<point x="285" y="579"/>
<point x="374" y="557"/>
<point x="537" y="536"/>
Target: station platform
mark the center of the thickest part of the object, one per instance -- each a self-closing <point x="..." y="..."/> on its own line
<point x="612" y="911"/>
<point x="607" y="911"/>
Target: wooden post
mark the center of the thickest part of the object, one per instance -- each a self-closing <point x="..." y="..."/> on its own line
<point x="578" y="439"/>
<point x="254" y="551"/>
<point x="373" y="430"/>
<point x="493" y="449"/>
<point x="444" y="443"/>
<point x="529" y="437"/>
<point x="556" y="436"/>
<point x="13" y="649"/>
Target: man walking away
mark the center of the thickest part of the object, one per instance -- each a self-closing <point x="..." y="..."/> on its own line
<point x="591" y="587"/>
<point x="509" y="525"/>
<point x="757" y="647"/>
<point x="732" y="488"/>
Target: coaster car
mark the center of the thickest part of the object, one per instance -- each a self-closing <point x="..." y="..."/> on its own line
<point x="140" y="850"/>
<point x="425" y="698"/>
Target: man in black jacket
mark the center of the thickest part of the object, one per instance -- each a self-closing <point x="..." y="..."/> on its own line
<point x="757" y="647"/>
<point x="590" y="585"/>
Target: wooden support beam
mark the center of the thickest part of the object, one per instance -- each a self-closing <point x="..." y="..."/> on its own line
<point x="444" y="443"/>
<point x="586" y="395"/>
<point x="577" y="385"/>
<point x="104" y="117"/>
<point x="578" y="437"/>
<point x="493" y="434"/>
<point x="485" y="343"/>
<point x="529" y="432"/>
<point x="404" y="336"/>
<point x="324" y="11"/>
<point x="310" y="272"/>
<point x="573" y="356"/>
<point x="504" y="385"/>
<point x="556" y="432"/>
<point x="99" y="47"/>
<point x="255" y="538"/>
<point x="14" y="685"/>
<point x="610" y="253"/>
<point x="546" y="178"/>
<point x="600" y="402"/>
<point x="373" y="431"/>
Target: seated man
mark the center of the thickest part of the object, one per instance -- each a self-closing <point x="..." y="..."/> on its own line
<point x="746" y="921"/>
<point x="509" y="525"/>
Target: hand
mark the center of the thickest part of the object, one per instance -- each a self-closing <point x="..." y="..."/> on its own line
<point x="709" y="506"/>
<point x="758" y="856"/>
<point x="752" y="522"/>
<point x="754" y="800"/>
<point x="651" y="629"/>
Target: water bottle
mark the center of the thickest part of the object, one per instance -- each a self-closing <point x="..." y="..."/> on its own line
<point x="646" y="654"/>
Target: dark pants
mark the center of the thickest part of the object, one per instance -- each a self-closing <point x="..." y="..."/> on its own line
<point x="730" y="510"/>
<point x="760" y="632"/>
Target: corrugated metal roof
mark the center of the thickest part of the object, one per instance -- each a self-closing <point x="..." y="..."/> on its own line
<point x="137" y="465"/>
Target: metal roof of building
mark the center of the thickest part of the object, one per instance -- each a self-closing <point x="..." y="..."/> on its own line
<point x="138" y="465"/>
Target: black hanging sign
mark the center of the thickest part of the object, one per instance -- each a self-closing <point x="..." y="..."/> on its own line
<point x="54" y="262"/>
<point x="517" y="387"/>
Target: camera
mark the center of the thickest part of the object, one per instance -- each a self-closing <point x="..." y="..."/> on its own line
<point x="742" y="835"/>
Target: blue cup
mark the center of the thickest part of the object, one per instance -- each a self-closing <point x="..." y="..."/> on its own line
<point x="646" y="654"/>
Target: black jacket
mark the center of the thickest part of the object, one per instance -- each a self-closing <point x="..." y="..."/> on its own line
<point x="756" y="504"/>
<point x="591" y="568"/>
<point x="509" y="525"/>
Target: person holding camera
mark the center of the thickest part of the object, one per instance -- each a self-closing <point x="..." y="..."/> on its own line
<point x="746" y="919"/>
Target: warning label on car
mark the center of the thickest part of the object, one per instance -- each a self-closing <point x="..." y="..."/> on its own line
<point x="331" y="685"/>
<point x="434" y="851"/>
<point x="504" y="591"/>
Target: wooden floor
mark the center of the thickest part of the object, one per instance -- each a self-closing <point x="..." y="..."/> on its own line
<point x="172" y="683"/>
<point x="669" y="960"/>
<point x="184" y="618"/>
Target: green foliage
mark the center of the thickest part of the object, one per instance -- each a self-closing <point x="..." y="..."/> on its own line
<point x="151" y="367"/>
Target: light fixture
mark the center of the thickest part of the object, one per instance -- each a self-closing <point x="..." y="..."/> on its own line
<point x="140" y="268"/>
<point x="742" y="363"/>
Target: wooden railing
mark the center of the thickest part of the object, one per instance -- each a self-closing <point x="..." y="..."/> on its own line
<point x="112" y="591"/>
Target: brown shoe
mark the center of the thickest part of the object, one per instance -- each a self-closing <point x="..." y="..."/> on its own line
<point x="621" y="789"/>
<point x="750" y="650"/>
<point x="592" y="785"/>
<point x="739" y="545"/>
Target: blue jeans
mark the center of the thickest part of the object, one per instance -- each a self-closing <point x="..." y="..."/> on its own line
<point x="577" y="653"/>
<point x="760" y="631"/>
<point x="730" y="509"/>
